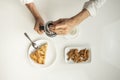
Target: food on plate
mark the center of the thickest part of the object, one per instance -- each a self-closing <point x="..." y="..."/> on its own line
<point x="40" y="54"/>
<point x="78" y="56"/>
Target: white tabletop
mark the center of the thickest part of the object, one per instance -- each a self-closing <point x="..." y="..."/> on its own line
<point x="15" y="19"/>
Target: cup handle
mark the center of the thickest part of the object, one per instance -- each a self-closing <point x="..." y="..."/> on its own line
<point x="50" y="24"/>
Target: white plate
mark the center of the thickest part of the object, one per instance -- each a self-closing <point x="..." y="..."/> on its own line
<point x="50" y="55"/>
<point x="67" y="49"/>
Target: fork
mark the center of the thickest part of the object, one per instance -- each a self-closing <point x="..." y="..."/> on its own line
<point x="33" y="44"/>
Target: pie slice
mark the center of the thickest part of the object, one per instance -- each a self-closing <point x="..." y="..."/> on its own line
<point x="40" y="54"/>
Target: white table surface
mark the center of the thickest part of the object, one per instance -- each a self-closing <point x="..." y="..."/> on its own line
<point x="15" y="19"/>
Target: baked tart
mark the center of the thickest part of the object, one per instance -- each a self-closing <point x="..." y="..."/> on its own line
<point x="39" y="55"/>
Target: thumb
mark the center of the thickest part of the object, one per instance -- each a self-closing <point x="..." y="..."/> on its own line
<point x="59" y="26"/>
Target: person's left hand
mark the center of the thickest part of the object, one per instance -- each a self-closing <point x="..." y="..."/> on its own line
<point x="62" y="26"/>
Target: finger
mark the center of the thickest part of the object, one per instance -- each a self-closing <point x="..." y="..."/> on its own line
<point x="52" y="29"/>
<point x="36" y="28"/>
<point x="57" y="21"/>
<point x="60" y="25"/>
<point x="61" y="33"/>
<point x="40" y="32"/>
<point x="64" y="32"/>
<point x="60" y="28"/>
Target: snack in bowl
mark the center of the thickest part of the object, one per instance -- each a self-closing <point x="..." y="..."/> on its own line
<point x="78" y="56"/>
<point x="40" y="54"/>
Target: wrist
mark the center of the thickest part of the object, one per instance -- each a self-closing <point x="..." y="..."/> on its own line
<point x="69" y="22"/>
<point x="37" y="17"/>
<point x="72" y="21"/>
<point x="39" y="20"/>
<point x="77" y="19"/>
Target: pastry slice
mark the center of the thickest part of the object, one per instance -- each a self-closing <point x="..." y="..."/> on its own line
<point x="40" y="54"/>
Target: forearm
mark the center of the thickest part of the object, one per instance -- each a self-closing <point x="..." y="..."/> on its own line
<point x="34" y="11"/>
<point x="90" y="9"/>
<point x="77" y="19"/>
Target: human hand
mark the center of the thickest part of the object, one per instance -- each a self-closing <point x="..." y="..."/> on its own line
<point x="38" y="22"/>
<point x="62" y="26"/>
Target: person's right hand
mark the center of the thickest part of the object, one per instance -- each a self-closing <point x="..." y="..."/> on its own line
<point x="38" y="22"/>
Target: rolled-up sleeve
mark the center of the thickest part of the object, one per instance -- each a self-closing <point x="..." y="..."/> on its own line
<point x="93" y="5"/>
<point x="27" y="1"/>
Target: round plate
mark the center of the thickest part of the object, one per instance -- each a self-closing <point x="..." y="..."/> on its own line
<point x="50" y="54"/>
